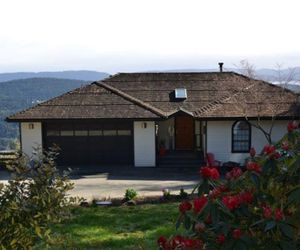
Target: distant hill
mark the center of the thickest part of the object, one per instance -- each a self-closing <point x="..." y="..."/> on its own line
<point x="293" y="87"/>
<point x="17" y="95"/>
<point x="266" y="74"/>
<point x="83" y="75"/>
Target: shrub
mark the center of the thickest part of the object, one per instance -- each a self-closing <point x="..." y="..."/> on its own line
<point x="35" y="197"/>
<point x="166" y="194"/>
<point x="183" y="195"/>
<point x="255" y="209"/>
<point x="130" y="194"/>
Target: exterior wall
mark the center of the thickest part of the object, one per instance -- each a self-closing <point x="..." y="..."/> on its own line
<point x="30" y="137"/>
<point x="144" y="144"/>
<point x="164" y="130"/>
<point x="219" y="139"/>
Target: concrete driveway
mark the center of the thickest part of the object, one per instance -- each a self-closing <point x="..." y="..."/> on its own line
<point x="112" y="181"/>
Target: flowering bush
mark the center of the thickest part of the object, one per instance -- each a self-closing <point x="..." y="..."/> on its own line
<point x="254" y="209"/>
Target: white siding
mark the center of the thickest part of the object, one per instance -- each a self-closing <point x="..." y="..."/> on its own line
<point x="144" y="144"/>
<point x="31" y="138"/>
<point x="219" y="139"/>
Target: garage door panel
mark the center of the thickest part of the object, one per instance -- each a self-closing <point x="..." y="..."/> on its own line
<point x="79" y="146"/>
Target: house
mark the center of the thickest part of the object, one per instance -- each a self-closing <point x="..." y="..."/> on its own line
<point x="128" y="117"/>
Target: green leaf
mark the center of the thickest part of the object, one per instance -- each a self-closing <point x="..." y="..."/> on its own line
<point x="255" y="180"/>
<point x="214" y="214"/>
<point x="38" y="231"/>
<point x="187" y="222"/>
<point x="287" y="245"/>
<point x="178" y="223"/>
<point x="287" y="230"/>
<point x="294" y="196"/>
<point x="257" y="222"/>
<point x="270" y="225"/>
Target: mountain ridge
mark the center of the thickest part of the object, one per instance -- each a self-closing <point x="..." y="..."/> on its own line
<point x="82" y="75"/>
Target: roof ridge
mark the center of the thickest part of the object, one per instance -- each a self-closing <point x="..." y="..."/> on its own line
<point x="216" y="103"/>
<point x="131" y="99"/>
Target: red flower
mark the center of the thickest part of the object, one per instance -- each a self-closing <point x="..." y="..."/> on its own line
<point x="276" y="155"/>
<point x="269" y="149"/>
<point x="236" y="233"/>
<point x="192" y="244"/>
<point x="228" y="176"/>
<point x="278" y="214"/>
<point x="200" y="226"/>
<point x="214" y="174"/>
<point x="205" y="172"/>
<point x="208" y="172"/>
<point x="162" y="241"/>
<point x="267" y="212"/>
<point x="285" y="145"/>
<point x="223" y="188"/>
<point x="252" y="152"/>
<point x="215" y="192"/>
<point x="185" y="206"/>
<point x="179" y="242"/>
<point x="208" y="219"/>
<point x="231" y="202"/>
<point x="289" y="212"/>
<point x="236" y="172"/>
<point x="253" y="166"/>
<point x="199" y="203"/>
<point x="221" y="239"/>
<point x="292" y="126"/>
<point x="246" y="197"/>
<point x="198" y="244"/>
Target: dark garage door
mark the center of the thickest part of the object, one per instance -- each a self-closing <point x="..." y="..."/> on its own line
<point x="90" y="143"/>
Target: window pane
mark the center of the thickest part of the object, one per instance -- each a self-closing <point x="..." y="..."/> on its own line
<point x="66" y="133"/>
<point x="241" y="137"/>
<point x="81" y="132"/>
<point x="124" y="132"/>
<point x="52" y="132"/>
<point x="109" y="132"/>
<point x="95" y="132"/>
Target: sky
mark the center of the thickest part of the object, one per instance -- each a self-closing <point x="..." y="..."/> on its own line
<point x="140" y="35"/>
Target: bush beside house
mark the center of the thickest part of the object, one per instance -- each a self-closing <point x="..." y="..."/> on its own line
<point x="255" y="209"/>
<point x="34" y="198"/>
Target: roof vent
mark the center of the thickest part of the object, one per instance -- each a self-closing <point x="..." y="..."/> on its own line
<point x="180" y="93"/>
<point x="221" y="66"/>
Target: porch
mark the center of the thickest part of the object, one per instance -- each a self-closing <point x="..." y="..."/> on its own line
<point x="180" y="142"/>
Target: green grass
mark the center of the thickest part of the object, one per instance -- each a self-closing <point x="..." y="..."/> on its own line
<point x="136" y="227"/>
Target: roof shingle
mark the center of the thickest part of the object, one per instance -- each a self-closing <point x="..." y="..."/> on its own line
<point x="150" y="95"/>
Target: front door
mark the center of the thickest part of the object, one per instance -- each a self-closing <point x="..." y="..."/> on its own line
<point x="184" y="133"/>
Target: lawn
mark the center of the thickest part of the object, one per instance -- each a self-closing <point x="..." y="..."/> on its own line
<point x="135" y="227"/>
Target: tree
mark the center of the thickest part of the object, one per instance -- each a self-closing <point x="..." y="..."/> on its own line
<point x="258" y="102"/>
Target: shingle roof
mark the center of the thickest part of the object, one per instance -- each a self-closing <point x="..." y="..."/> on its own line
<point x="150" y="95"/>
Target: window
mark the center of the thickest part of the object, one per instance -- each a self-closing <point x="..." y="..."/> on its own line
<point x="66" y="133"/>
<point x="109" y="132"/>
<point x="52" y="132"/>
<point x="81" y="133"/>
<point x="124" y="132"/>
<point x="241" y="137"/>
<point x="180" y="93"/>
<point x="95" y="132"/>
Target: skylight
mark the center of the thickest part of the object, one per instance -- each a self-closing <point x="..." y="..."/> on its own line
<point x="180" y="93"/>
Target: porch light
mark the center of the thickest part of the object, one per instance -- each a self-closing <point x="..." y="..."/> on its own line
<point x="30" y="126"/>
<point x="144" y="125"/>
<point x="180" y="93"/>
